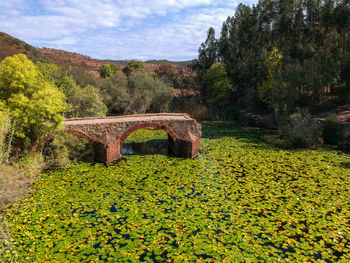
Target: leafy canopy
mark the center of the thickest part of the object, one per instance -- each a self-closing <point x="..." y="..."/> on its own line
<point x="35" y="104"/>
<point x="107" y="70"/>
<point x="217" y="84"/>
<point x="133" y="65"/>
<point x="83" y="101"/>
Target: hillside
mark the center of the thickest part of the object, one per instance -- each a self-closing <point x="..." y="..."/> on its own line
<point x="61" y="57"/>
<point x="92" y="65"/>
<point x="10" y="46"/>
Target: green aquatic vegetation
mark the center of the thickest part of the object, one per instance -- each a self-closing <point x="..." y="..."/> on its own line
<point x="240" y="201"/>
<point x="146" y="134"/>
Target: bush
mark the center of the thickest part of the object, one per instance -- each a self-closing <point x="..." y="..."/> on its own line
<point x="332" y="130"/>
<point x="302" y="131"/>
<point x="65" y="149"/>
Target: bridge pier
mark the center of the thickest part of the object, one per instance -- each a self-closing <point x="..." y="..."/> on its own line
<point x="111" y="152"/>
<point x="107" y="152"/>
<point x="184" y="148"/>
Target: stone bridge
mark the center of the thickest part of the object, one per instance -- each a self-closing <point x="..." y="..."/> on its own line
<point x="107" y="134"/>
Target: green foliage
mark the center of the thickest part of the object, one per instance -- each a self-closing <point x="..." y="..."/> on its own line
<point x="240" y="201"/>
<point x="115" y="92"/>
<point x="147" y="93"/>
<point x="35" y="105"/>
<point x="87" y="102"/>
<point x="64" y="150"/>
<point x="218" y="84"/>
<point x="192" y="106"/>
<point x="146" y="134"/>
<point x="134" y="65"/>
<point x="108" y="70"/>
<point x="57" y="76"/>
<point x="282" y="54"/>
<point x="139" y="92"/>
<point x="82" y="102"/>
<point x="272" y="90"/>
<point x="207" y="53"/>
<point x="301" y="130"/>
<point x="332" y="130"/>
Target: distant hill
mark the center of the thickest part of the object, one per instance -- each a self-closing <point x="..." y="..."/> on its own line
<point x="164" y="61"/>
<point x="65" y="58"/>
<point x="10" y="46"/>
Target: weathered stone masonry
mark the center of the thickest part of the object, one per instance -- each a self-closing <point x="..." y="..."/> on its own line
<point x="108" y="134"/>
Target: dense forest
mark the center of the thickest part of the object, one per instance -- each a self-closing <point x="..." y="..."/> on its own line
<point x="278" y="56"/>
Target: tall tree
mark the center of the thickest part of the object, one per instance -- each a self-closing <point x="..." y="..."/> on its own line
<point x="35" y="104"/>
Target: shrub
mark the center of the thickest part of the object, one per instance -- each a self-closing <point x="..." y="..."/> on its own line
<point x="64" y="149"/>
<point x="332" y="130"/>
<point x="302" y="131"/>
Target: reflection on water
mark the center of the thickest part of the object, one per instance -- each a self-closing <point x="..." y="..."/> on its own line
<point x="150" y="147"/>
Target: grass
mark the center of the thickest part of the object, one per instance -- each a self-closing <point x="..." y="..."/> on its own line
<point x="241" y="200"/>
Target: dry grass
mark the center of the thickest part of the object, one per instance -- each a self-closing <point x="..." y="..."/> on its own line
<point x="15" y="179"/>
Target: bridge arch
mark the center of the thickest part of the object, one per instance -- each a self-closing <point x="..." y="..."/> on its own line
<point x="158" y="126"/>
<point x="80" y="134"/>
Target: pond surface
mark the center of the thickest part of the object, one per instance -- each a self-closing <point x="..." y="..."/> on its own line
<point x="240" y="201"/>
<point x="144" y="148"/>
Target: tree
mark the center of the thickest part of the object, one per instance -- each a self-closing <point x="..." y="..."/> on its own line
<point x="35" y="104"/>
<point x="218" y="84"/>
<point x="115" y="92"/>
<point x="107" y="70"/>
<point x="313" y="37"/>
<point x="273" y="89"/>
<point x="58" y="77"/>
<point x="81" y="102"/>
<point x="87" y="102"/>
<point x="207" y="53"/>
<point x="134" y="65"/>
<point x="147" y="93"/>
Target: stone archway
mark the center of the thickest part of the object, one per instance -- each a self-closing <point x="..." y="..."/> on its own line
<point x="164" y="127"/>
<point x="108" y="134"/>
<point x="80" y="134"/>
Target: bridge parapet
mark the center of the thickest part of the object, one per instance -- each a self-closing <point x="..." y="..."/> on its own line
<point x="107" y="134"/>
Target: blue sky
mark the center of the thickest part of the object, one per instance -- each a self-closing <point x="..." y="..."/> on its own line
<point x="117" y="29"/>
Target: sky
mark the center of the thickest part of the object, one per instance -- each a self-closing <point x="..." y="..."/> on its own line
<point x="117" y="29"/>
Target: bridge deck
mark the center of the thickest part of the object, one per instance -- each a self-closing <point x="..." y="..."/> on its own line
<point x="128" y="118"/>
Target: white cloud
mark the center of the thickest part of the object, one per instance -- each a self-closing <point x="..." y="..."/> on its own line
<point x="116" y="28"/>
